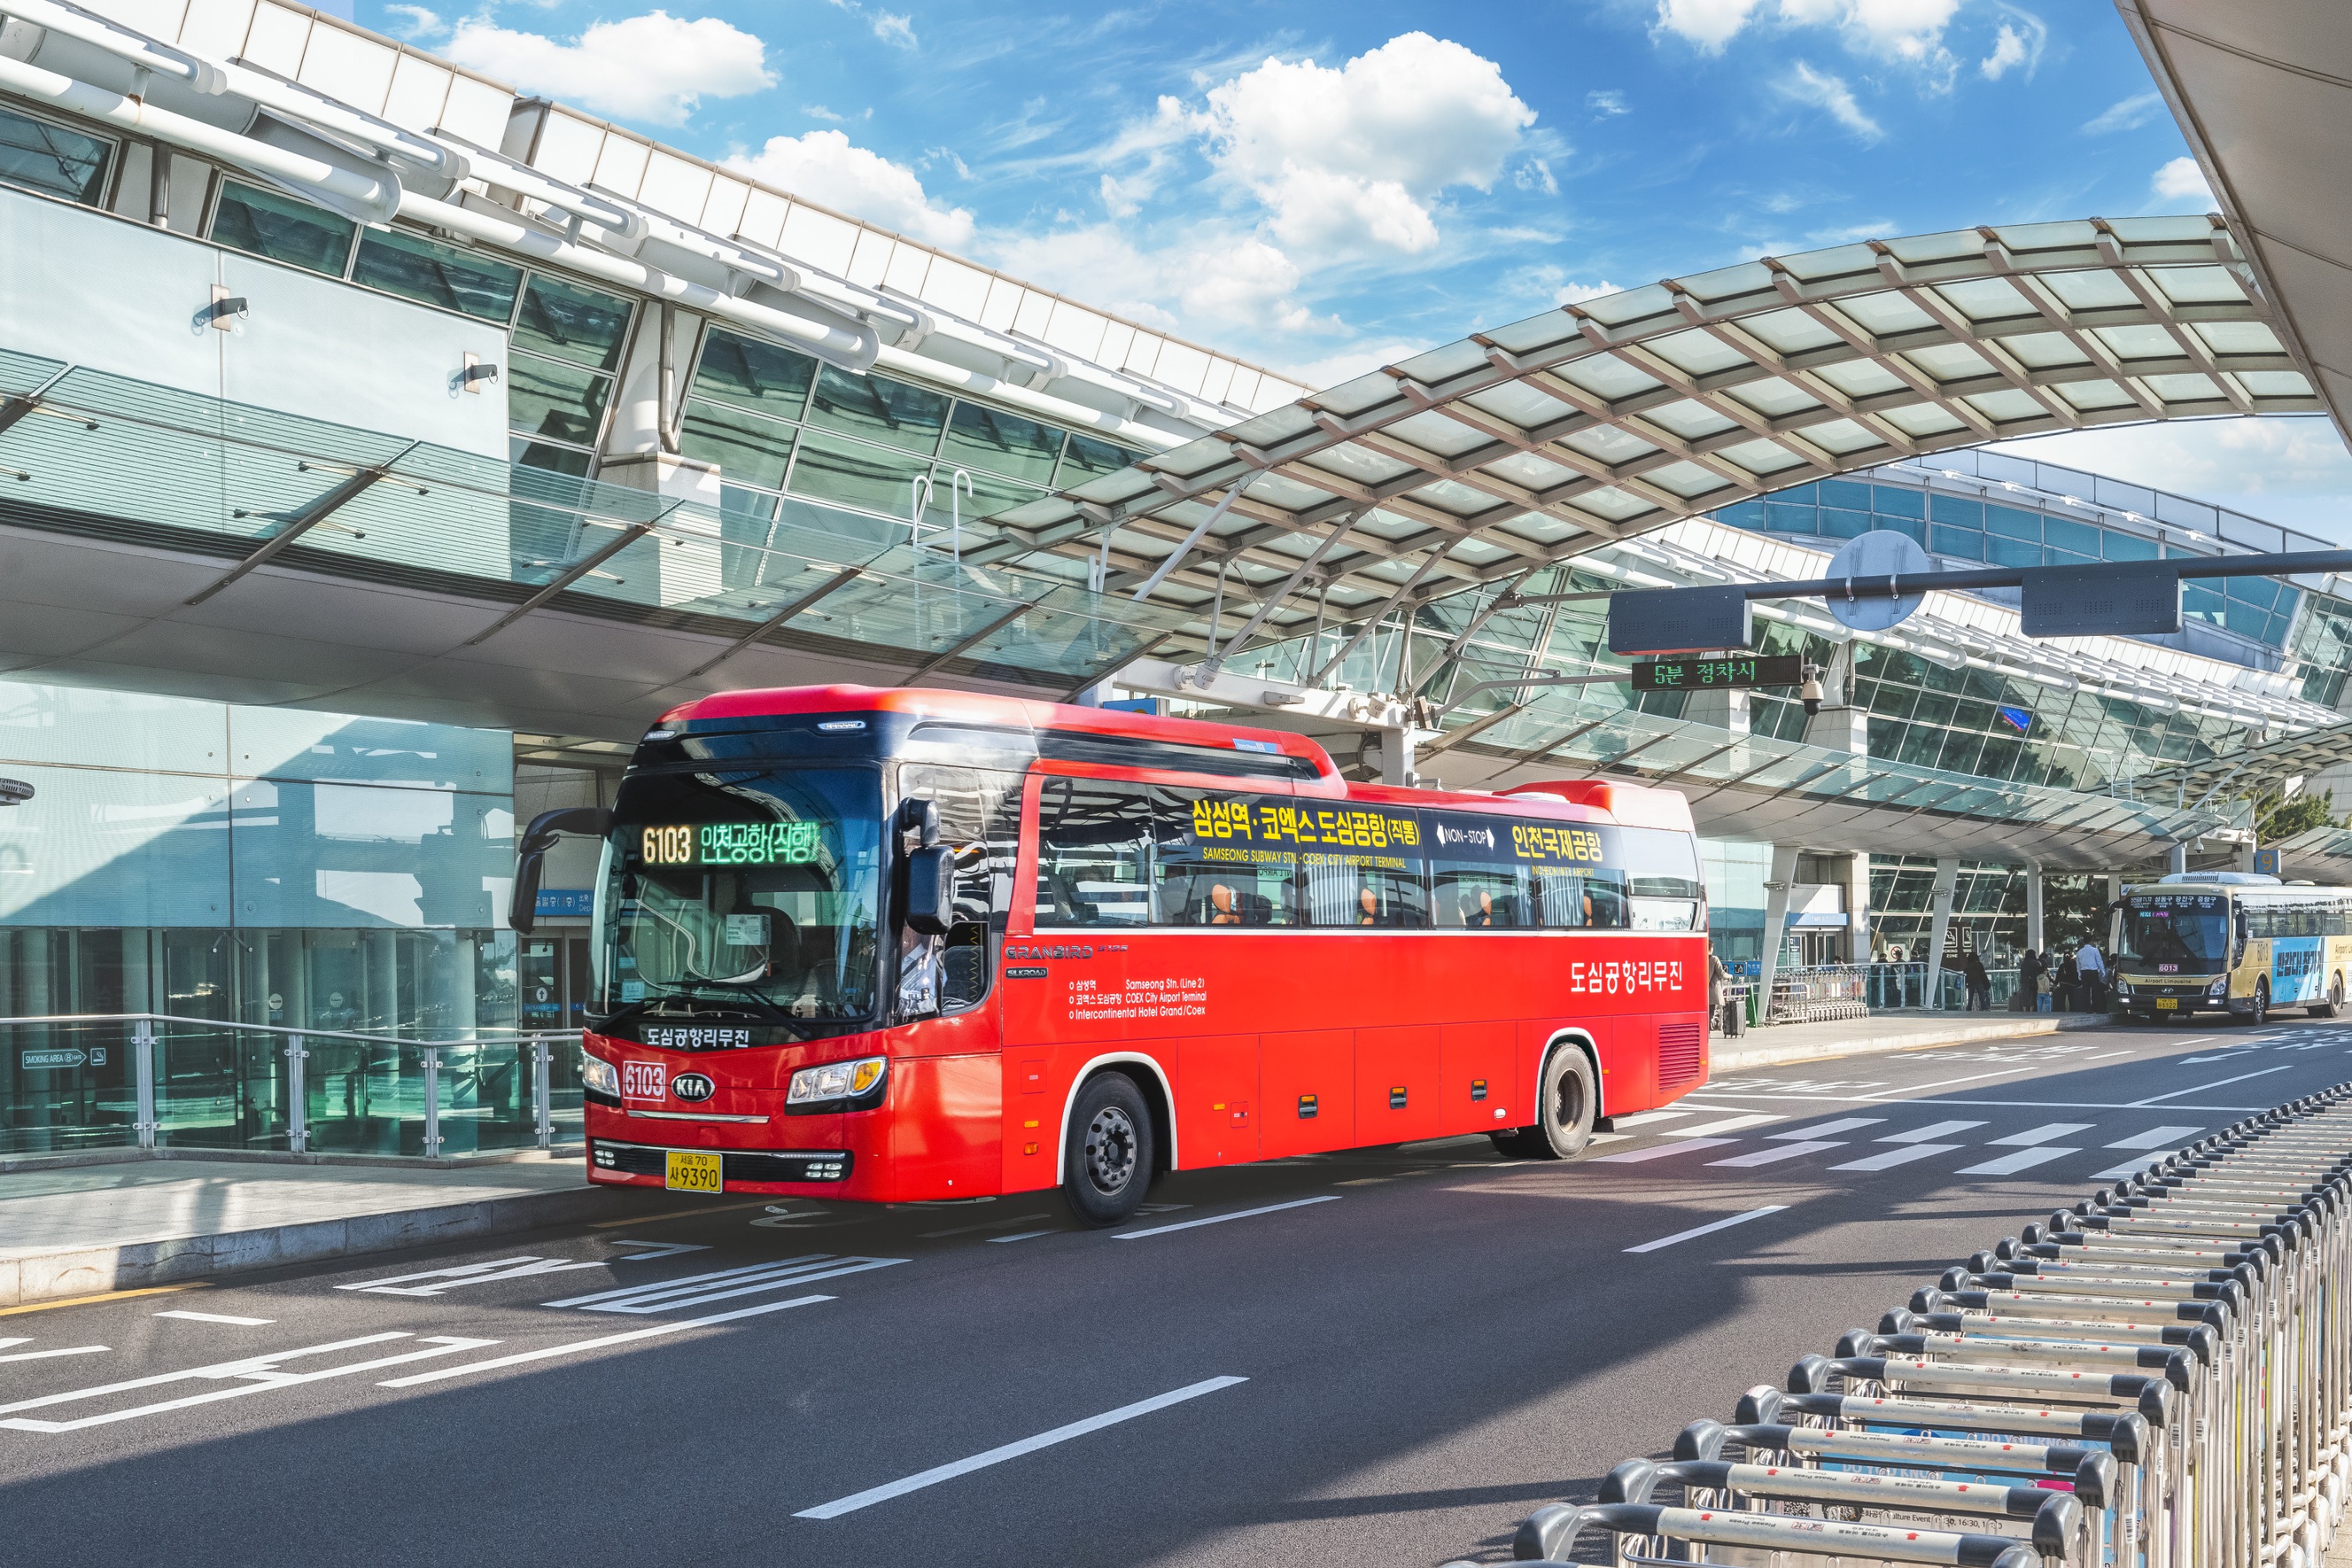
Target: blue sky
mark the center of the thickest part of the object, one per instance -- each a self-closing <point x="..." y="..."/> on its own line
<point x="1323" y="188"/>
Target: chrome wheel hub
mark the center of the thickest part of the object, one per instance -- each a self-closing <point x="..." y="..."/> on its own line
<point x="1110" y="1149"/>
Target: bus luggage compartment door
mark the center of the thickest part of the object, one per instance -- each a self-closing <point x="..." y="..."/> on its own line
<point x="1308" y="1077"/>
<point x="1217" y="1100"/>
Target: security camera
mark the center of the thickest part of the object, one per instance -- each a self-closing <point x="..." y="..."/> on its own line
<point x="1809" y="690"/>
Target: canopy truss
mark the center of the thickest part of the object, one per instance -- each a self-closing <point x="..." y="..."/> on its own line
<point x="1523" y="447"/>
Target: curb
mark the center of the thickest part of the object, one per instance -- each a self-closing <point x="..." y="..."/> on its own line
<point x="1916" y="1040"/>
<point x="68" y="1272"/>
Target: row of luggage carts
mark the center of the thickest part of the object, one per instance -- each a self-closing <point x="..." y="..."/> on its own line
<point x="2159" y="1378"/>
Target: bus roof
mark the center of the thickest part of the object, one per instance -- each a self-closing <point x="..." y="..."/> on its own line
<point x="1592" y="800"/>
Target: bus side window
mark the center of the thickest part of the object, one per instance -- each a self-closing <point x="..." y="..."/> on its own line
<point x="1095" y="851"/>
<point x="980" y="818"/>
<point x="1220" y="860"/>
<point x="1662" y="878"/>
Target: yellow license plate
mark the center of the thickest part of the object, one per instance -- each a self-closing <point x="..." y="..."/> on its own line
<point x="694" y="1171"/>
<point x="2163" y="1004"/>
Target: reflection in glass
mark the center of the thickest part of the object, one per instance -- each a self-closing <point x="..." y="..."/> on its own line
<point x="52" y="160"/>
<point x="415" y="267"/>
<point x="282" y="230"/>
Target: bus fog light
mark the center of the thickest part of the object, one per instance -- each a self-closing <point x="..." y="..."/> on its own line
<point x="599" y="1076"/>
<point x="835" y="1080"/>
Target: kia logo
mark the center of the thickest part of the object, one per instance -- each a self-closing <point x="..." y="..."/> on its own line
<point x="692" y="1086"/>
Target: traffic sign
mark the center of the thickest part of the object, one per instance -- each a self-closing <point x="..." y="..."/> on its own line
<point x="1867" y="560"/>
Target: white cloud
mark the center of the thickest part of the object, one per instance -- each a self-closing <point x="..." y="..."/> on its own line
<point x="1830" y="94"/>
<point x="656" y="68"/>
<point x="892" y="28"/>
<point x="1535" y="175"/>
<point x="1710" y="24"/>
<point x="2182" y="181"/>
<point x="1333" y="370"/>
<point x="420" y="23"/>
<point x="823" y="166"/>
<point x="2126" y="115"/>
<point x="1607" y="104"/>
<point x="1354" y="157"/>
<point x="1578" y="293"/>
<point x="819" y="111"/>
<point x="2008" y="52"/>
<point x="1214" y="278"/>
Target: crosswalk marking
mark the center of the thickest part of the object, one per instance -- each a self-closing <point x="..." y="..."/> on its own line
<point x="45" y="1355"/>
<point x="1729" y="1124"/>
<point x="1830" y="1128"/>
<point x="2129" y="1168"/>
<point x="1779" y="1152"/>
<point x="2157" y="1138"/>
<point x="673" y="1295"/>
<point x="1898" y="1156"/>
<point x="2042" y="1134"/>
<point x="1656" y="1151"/>
<point x="1647" y="1116"/>
<point x="1931" y="1131"/>
<point x="246" y="1375"/>
<point x="2023" y="1160"/>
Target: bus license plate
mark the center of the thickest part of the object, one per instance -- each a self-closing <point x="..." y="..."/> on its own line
<point x="2163" y="1004"/>
<point x="694" y="1171"/>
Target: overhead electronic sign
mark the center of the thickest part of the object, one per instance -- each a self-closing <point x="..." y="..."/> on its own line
<point x="1739" y="670"/>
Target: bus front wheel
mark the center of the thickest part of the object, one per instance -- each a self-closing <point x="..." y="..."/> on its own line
<point x="2260" y="1012"/>
<point x="1106" y="1151"/>
<point x="1567" y="1107"/>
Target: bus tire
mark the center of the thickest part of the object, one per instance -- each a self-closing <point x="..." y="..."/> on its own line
<point x="2259" y="1013"/>
<point x="1106" y="1152"/>
<point x="2334" y="1007"/>
<point x="1568" y="1104"/>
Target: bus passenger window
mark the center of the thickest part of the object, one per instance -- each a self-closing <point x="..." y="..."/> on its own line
<point x="1221" y="861"/>
<point x="1361" y="866"/>
<point x="1664" y="892"/>
<point x="1094" y="854"/>
<point x="1478" y="878"/>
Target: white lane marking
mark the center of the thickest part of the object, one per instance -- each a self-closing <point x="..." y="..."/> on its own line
<point x="574" y="1347"/>
<point x="1779" y="1152"/>
<point x="695" y="1289"/>
<point x="521" y="1268"/>
<point x="2156" y="1137"/>
<point x="1932" y="1130"/>
<point x="44" y="1355"/>
<point x="2129" y="1168"/>
<point x="1894" y="1157"/>
<point x="1829" y="1129"/>
<point x="2176" y="1094"/>
<point x="1729" y="1124"/>
<point x="1645" y="1117"/>
<point x="254" y="1374"/>
<point x="1708" y="1229"/>
<point x="1220" y="1219"/>
<point x="997" y="1456"/>
<point x="2042" y="1134"/>
<point x="218" y="1317"/>
<point x="2192" y="1061"/>
<point x="2103" y="1056"/>
<point x="1023" y="1236"/>
<point x="1609" y="1137"/>
<point x="1659" y="1151"/>
<point x="2023" y="1160"/>
<point x="6" y="1341"/>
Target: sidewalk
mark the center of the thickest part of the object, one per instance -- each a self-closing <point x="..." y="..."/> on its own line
<point x="87" y="1230"/>
<point x="1886" y="1032"/>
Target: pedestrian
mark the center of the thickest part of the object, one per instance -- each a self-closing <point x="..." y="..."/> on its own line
<point x="1972" y="969"/>
<point x="2069" y="985"/>
<point x="1719" y="982"/>
<point x="2029" y="966"/>
<point x="2092" y="967"/>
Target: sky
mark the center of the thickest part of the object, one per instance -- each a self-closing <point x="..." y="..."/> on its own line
<point x="1323" y="189"/>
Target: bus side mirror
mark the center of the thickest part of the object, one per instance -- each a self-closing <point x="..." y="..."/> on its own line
<point x="530" y="855"/>
<point x="931" y="889"/>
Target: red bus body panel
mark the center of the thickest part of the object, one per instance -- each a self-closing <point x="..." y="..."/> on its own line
<point x="1261" y="1041"/>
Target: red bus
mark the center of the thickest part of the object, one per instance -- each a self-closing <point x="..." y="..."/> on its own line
<point x="901" y="945"/>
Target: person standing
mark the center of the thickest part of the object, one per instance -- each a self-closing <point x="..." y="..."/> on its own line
<point x="1718" y="981"/>
<point x="1979" y="983"/>
<point x="2092" y="966"/>
<point x="2068" y="981"/>
<point x="2029" y="967"/>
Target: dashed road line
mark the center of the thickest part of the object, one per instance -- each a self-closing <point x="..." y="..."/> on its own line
<point x="248" y="1374"/>
<point x="1930" y="1132"/>
<point x="1901" y="1155"/>
<point x="2023" y="1160"/>
<point x="574" y="1347"/>
<point x="218" y="1317"/>
<point x="1682" y="1235"/>
<point x="1659" y="1150"/>
<point x="2042" y="1134"/>
<point x="1220" y="1218"/>
<point x="695" y="1289"/>
<point x="1773" y="1154"/>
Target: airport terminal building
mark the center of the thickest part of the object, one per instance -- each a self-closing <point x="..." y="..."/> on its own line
<point x="381" y="452"/>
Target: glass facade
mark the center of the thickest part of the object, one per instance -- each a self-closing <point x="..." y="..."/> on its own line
<point x="42" y="155"/>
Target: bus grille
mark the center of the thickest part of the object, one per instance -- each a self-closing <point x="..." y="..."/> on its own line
<point x="1680" y="1053"/>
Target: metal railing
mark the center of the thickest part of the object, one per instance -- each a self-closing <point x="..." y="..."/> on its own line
<point x="2160" y="1378"/>
<point x="89" y="1082"/>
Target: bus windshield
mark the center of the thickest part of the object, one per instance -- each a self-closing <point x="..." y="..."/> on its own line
<point x="755" y="893"/>
<point x="2185" y="933"/>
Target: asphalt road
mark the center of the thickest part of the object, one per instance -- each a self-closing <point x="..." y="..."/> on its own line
<point x="1387" y="1357"/>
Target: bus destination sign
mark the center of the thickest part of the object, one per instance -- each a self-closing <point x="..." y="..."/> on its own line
<point x="731" y="844"/>
<point x="1718" y="674"/>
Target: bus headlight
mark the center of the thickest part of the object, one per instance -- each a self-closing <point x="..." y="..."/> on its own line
<point x="599" y="1076"/>
<point x="835" y="1080"/>
<point x="2123" y="989"/>
<point x="2218" y="988"/>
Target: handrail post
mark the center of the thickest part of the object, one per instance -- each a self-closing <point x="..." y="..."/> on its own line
<point x="431" y="1102"/>
<point x="542" y="1107"/>
<point x="298" y="1103"/>
<point x="142" y="1062"/>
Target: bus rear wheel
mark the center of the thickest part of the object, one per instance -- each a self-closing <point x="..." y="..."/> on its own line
<point x="1567" y="1107"/>
<point x="2334" y="1007"/>
<point x="1106" y="1151"/>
